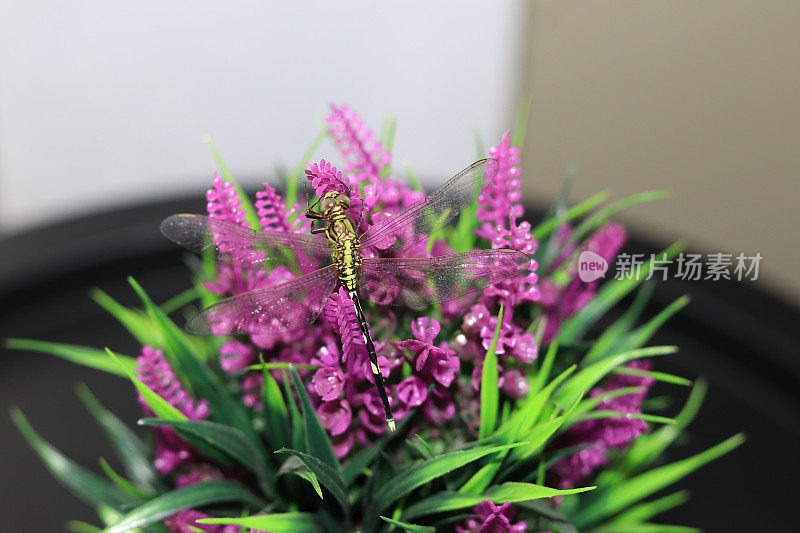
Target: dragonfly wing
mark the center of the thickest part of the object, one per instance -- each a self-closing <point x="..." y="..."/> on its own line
<point x="423" y="281"/>
<point x="276" y="309"/>
<point x="417" y="221"/>
<point x="247" y="248"/>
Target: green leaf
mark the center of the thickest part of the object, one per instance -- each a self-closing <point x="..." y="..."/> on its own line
<point x="85" y="484"/>
<point x="275" y="523"/>
<point x="128" y="447"/>
<point x="544" y="371"/>
<point x="309" y="476"/>
<point x="193" y="496"/>
<point x="298" y="433"/>
<point x="489" y="390"/>
<point x="76" y="526"/>
<point x="364" y="457"/>
<point x="133" y="320"/>
<point x="82" y="355"/>
<point x="123" y="483"/>
<point x="159" y="405"/>
<point x="425" y="472"/>
<point x="643" y="334"/>
<point x="198" y="377"/>
<point x="608" y="295"/>
<point x="507" y="492"/>
<point x="547" y="226"/>
<point x="275" y="412"/>
<point x="180" y="300"/>
<point x="317" y="442"/>
<point x="612" y="334"/>
<point x="584" y="380"/>
<point x="615" y="498"/>
<point x="647" y="448"/>
<point x="330" y="478"/>
<point x="414" y="528"/>
<point x="527" y="414"/>
<point x="657" y="376"/>
<point x="647" y="510"/>
<point x="227" y="440"/>
<point x="250" y="213"/>
<point x="601" y="216"/>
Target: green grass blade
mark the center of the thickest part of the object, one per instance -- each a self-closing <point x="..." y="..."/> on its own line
<point x="647" y="448"/>
<point x="414" y="528"/>
<point x="86" y="485"/>
<point x="128" y="447"/>
<point x="589" y="376"/>
<point x="608" y="295"/>
<point x="425" y="472"/>
<point x="275" y="523"/>
<point x="547" y="226"/>
<point x="180" y="300"/>
<point x="612" y="334"/>
<point x="276" y="414"/>
<point x="544" y="370"/>
<point x="615" y="498"/>
<point x="647" y="510"/>
<point x="507" y="492"/>
<point x="657" y="376"/>
<point x="317" y="442"/>
<point x="644" y="527"/>
<point x="601" y="216"/>
<point x="133" y="320"/>
<point x="82" y="355"/>
<point x="489" y="392"/>
<point x="642" y="334"/>
<point x="197" y="376"/>
<point x="330" y="478"/>
<point x="228" y="440"/>
<point x="76" y="526"/>
<point x="126" y="486"/>
<point x="199" y="494"/>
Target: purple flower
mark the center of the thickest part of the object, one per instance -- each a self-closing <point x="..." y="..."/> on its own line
<point x="251" y="390"/>
<point x="562" y="302"/>
<point x="329" y="382"/>
<point x="335" y="416"/>
<point x="602" y="435"/>
<point x="224" y="202"/>
<point x="357" y="143"/>
<point x="492" y="519"/>
<point x="234" y="356"/>
<point x="273" y="214"/>
<point x="153" y="370"/>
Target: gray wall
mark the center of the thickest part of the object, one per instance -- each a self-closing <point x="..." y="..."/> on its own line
<point x="701" y="97"/>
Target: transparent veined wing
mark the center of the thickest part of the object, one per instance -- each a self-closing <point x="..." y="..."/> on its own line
<point x="417" y="221"/>
<point x="245" y="247"/>
<point x="422" y="281"/>
<point x="276" y="309"/>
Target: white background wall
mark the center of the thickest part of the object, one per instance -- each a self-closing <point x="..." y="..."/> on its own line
<point x="105" y="103"/>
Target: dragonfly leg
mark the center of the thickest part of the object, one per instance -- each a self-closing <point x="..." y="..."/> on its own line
<point x="373" y="359"/>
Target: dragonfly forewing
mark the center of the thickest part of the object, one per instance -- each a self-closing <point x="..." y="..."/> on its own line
<point x="246" y="248"/>
<point x="425" y="217"/>
<point x="276" y="309"/>
<point x="423" y="281"/>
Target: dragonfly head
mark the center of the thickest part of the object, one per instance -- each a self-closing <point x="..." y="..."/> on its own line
<point x="334" y="198"/>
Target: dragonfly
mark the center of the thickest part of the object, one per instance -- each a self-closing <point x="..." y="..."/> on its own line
<point x="366" y="265"/>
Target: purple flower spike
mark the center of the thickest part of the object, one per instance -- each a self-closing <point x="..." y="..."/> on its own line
<point x="153" y="370"/>
<point x="501" y="198"/>
<point x="325" y="178"/>
<point x="234" y="356"/>
<point x="224" y="202"/>
<point x="357" y="143"/>
<point x="273" y="214"/>
<point x="492" y="519"/>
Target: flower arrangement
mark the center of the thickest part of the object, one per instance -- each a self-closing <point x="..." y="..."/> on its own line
<point x="515" y="411"/>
